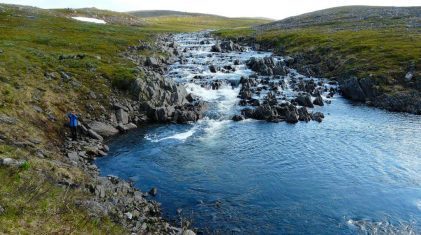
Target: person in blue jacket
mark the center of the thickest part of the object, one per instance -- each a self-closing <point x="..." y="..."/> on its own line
<point x="73" y="123"/>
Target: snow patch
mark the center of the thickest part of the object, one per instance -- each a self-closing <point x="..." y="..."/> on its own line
<point x="91" y="20"/>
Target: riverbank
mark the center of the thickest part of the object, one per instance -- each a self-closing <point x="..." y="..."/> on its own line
<point x="51" y="64"/>
<point x="373" y="52"/>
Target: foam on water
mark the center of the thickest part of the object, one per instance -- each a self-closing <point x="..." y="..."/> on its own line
<point x="182" y="136"/>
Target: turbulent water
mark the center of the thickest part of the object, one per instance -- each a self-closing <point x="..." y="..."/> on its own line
<point x="359" y="171"/>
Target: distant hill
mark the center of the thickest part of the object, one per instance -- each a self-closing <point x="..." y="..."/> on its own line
<point x="159" y="13"/>
<point x="352" y="17"/>
<point x="108" y="16"/>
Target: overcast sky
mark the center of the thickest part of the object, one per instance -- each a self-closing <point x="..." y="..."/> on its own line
<point x="276" y="9"/>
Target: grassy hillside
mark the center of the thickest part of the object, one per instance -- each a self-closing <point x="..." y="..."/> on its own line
<point x="160" y="13"/>
<point x="51" y="64"/>
<point x="379" y="43"/>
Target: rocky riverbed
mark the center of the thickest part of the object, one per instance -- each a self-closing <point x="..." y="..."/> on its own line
<point x="259" y="160"/>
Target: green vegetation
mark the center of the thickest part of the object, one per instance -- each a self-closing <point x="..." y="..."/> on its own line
<point x="343" y="48"/>
<point x="194" y="23"/>
<point x="49" y="65"/>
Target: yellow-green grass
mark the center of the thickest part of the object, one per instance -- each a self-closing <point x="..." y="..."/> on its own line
<point x="194" y="23"/>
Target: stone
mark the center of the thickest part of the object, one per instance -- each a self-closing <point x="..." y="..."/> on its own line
<point x="73" y="156"/>
<point x="2" y="210"/>
<point x="12" y="162"/>
<point x="212" y="68"/>
<point x="303" y="114"/>
<point x="105" y="148"/>
<point x="128" y="215"/>
<point x="238" y="118"/>
<point x="152" y="61"/>
<point x="304" y="99"/>
<point x="216" y="48"/>
<point x="95" y="135"/>
<point x="7" y="120"/>
<point x="318" y="101"/>
<point x="122" y="116"/>
<point x="317" y="116"/>
<point x="188" y="232"/>
<point x="102" y="128"/>
<point x="153" y="192"/>
<point x="351" y="89"/>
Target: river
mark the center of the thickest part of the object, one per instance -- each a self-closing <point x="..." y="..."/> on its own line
<point x="358" y="171"/>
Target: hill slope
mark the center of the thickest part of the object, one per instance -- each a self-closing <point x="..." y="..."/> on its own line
<point x="159" y="13"/>
<point x="352" y="17"/>
<point x="379" y="46"/>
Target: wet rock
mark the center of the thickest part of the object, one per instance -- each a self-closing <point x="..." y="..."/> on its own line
<point x="238" y="118"/>
<point x="212" y="68"/>
<point x="304" y="99"/>
<point x="351" y="89"/>
<point x="216" y="48"/>
<point x="153" y="192"/>
<point x="303" y="114"/>
<point x="317" y="116"/>
<point x="291" y="114"/>
<point x="318" y="100"/>
<point x="102" y="128"/>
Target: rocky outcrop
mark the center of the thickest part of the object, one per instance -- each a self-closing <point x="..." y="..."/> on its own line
<point x="103" y="129"/>
<point x="351" y="89"/>
<point x="267" y="66"/>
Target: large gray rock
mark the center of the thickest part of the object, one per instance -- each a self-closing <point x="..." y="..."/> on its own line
<point x="351" y="89"/>
<point x="304" y="99"/>
<point x="12" y="162"/>
<point x="103" y="129"/>
<point x="158" y="91"/>
<point x="122" y="116"/>
<point x="95" y="135"/>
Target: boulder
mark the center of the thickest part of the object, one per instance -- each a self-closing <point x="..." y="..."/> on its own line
<point x="317" y="116"/>
<point x="153" y="192"/>
<point x="291" y="114"/>
<point x="188" y="232"/>
<point x="95" y="135"/>
<point x="12" y="162"/>
<point x="303" y="114"/>
<point x="318" y="100"/>
<point x="238" y="118"/>
<point x="216" y="48"/>
<point x="122" y="116"/>
<point x="304" y="99"/>
<point x="152" y="62"/>
<point x="212" y="68"/>
<point x="102" y="128"/>
<point x="351" y="89"/>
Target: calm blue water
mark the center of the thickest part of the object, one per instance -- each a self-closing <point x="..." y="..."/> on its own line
<point x="359" y="171"/>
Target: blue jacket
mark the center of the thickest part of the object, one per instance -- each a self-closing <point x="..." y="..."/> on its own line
<point x="73" y="120"/>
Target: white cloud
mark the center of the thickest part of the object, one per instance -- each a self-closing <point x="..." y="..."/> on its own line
<point x="276" y="9"/>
